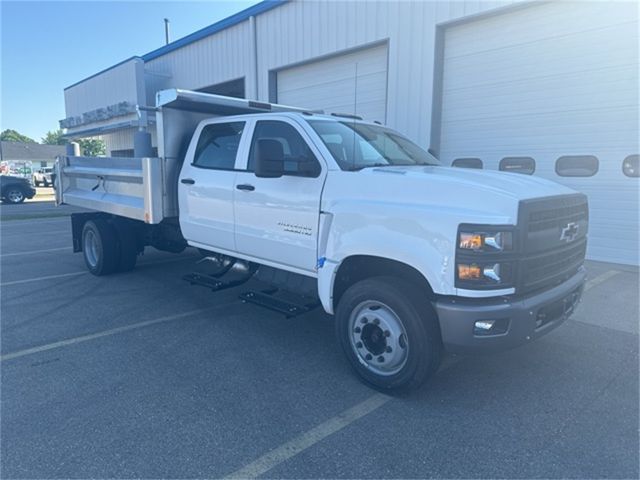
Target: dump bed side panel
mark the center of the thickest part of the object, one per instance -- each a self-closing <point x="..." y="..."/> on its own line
<point x="129" y="187"/>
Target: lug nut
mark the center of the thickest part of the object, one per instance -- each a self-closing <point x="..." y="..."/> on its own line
<point x="359" y="345"/>
<point x="380" y="359"/>
<point x="387" y="333"/>
<point x="364" y="320"/>
<point x="358" y="330"/>
<point x="376" y="321"/>
<point x="368" y="356"/>
<point x="389" y="349"/>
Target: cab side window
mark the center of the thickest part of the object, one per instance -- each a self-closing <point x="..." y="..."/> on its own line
<point x="218" y="146"/>
<point x="298" y="158"/>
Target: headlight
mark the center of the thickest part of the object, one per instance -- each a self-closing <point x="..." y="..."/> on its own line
<point x="485" y="257"/>
<point x="485" y="241"/>
<point x="472" y="275"/>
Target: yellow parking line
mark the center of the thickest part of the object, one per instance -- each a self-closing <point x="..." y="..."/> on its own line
<point x="306" y="440"/>
<point x="37" y="279"/>
<point x="62" y="275"/>
<point x="105" y="333"/>
<point x="35" y="251"/>
<point x="297" y="445"/>
<point x="603" y="277"/>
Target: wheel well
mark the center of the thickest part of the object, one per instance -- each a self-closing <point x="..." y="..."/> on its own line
<point x="360" y="267"/>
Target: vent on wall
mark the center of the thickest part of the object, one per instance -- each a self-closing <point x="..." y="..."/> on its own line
<point x="526" y="165"/>
<point x="577" y="166"/>
<point x="467" y="163"/>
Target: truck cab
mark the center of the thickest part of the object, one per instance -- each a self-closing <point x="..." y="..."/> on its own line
<point x="413" y="258"/>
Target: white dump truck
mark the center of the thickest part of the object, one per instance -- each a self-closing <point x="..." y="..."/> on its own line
<point x="411" y="257"/>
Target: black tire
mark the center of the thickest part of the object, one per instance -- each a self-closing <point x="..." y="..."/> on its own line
<point x="422" y="337"/>
<point x="14" y="195"/>
<point x="127" y="247"/>
<point x="103" y="258"/>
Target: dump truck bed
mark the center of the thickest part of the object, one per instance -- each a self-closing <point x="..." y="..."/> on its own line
<point x="146" y="189"/>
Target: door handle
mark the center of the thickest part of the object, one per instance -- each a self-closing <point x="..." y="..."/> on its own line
<point x="246" y="187"/>
<point x="188" y="181"/>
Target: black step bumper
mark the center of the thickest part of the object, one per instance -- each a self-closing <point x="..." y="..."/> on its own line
<point x="516" y="320"/>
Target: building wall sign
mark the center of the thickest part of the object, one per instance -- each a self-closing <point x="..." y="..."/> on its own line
<point x="106" y="113"/>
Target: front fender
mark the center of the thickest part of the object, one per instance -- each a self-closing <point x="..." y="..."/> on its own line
<point x="400" y="234"/>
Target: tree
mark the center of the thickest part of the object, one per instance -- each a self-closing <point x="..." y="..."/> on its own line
<point x="92" y="147"/>
<point x="13" y="136"/>
<point x="54" y="137"/>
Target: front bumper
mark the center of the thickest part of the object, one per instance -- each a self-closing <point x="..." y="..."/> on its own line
<point x="30" y="192"/>
<point x="523" y="319"/>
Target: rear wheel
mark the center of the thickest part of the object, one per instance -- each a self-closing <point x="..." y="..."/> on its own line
<point x="14" y="195"/>
<point x="99" y="246"/>
<point x="389" y="333"/>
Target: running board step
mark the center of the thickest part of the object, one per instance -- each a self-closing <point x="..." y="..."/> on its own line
<point x="288" y="307"/>
<point x="209" y="281"/>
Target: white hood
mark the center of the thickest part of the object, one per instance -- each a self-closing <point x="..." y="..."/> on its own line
<point x="514" y="185"/>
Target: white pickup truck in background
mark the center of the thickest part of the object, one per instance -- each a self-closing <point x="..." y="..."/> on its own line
<point x="413" y="258"/>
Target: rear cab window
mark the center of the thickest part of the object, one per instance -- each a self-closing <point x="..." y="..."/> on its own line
<point x="217" y="146"/>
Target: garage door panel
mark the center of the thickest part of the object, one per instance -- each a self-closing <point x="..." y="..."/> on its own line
<point x="537" y="61"/>
<point x="532" y="24"/>
<point x="548" y="80"/>
<point x="339" y="84"/>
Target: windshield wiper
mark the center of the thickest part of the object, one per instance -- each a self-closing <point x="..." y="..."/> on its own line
<point x="355" y="168"/>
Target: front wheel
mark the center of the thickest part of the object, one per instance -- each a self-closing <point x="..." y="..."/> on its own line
<point x="389" y="333"/>
<point x="14" y="195"/>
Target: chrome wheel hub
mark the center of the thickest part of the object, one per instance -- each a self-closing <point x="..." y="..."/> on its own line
<point x="90" y="248"/>
<point x="378" y="338"/>
<point x="15" y="196"/>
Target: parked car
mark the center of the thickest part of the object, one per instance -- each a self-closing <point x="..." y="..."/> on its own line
<point x="43" y="177"/>
<point x="15" y="189"/>
<point x="412" y="257"/>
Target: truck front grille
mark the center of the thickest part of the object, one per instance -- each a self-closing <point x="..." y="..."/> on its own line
<point x="554" y="240"/>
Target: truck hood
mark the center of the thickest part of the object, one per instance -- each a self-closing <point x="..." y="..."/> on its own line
<point x="514" y="185"/>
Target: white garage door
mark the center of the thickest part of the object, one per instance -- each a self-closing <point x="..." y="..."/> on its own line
<point x="351" y="83"/>
<point x="551" y="80"/>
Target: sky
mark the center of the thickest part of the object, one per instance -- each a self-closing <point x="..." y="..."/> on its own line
<point x="48" y="45"/>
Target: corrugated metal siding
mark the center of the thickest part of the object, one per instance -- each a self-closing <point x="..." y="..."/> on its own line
<point x="109" y="88"/>
<point x="300" y="31"/>
<point x="350" y="83"/>
<point x="553" y="79"/>
<point x="123" y="139"/>
<point x="227" y="55"/>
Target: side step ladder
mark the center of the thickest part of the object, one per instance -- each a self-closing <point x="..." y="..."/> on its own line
<point x="231" y="273"/>
<point x="223" y="277"/>
<point x="287" y="303"/>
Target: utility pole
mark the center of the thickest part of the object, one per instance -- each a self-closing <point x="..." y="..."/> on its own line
<point x="166" y="31"/>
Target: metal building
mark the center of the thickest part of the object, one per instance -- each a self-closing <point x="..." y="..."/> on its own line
<point x="543" y="88"/>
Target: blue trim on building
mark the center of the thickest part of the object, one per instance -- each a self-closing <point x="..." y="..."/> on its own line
<point x="102" y="71"/>
<point x="234" y="19"/>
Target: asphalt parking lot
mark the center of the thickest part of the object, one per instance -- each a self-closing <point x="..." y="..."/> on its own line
<point x="141" y="375"/>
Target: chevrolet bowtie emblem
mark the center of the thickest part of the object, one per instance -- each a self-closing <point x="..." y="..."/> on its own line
<point x="570" y="232"/>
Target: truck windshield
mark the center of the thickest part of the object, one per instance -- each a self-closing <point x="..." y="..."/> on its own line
<point x="355" y="145"/>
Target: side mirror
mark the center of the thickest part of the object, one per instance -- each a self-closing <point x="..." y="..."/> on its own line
<point x="269" y="159"/>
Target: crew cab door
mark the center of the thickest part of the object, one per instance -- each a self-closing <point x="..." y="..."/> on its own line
<point x="206" y="185"/>
<point x="277" y="218"/>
